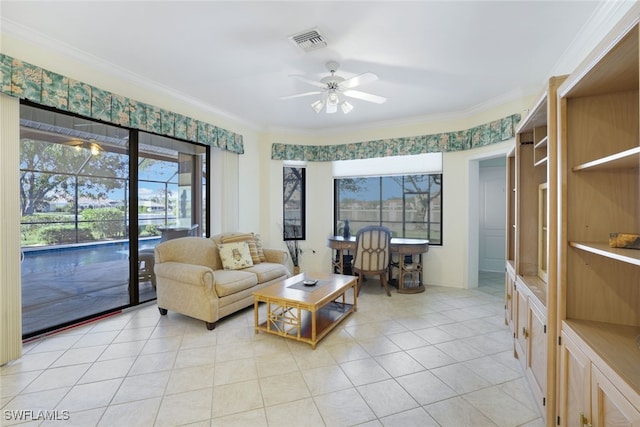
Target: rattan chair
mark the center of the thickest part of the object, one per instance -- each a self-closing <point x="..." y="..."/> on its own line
<point x="372" y="254"/>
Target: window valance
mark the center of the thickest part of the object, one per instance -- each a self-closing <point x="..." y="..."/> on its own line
<point x="26" y="81"/>
<point x="479" y="136"/>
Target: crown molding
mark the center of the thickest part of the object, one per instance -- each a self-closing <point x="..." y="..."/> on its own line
<point x="36" y="38"/>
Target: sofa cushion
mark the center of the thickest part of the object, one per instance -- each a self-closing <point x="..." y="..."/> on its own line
<point x="244" y="237"/>
<point x="266" y="271"/>
<point x="231" y="281"/>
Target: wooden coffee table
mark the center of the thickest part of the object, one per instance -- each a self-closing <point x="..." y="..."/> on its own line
<point x="306" y="313"/>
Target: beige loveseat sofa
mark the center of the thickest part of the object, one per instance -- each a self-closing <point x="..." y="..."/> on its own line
<point x="210" y="278"/>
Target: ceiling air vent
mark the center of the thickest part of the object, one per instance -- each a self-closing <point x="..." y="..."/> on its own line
<point x="309" y="40"/>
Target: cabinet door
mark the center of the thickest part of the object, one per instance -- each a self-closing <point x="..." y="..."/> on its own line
<point x="575" y="381"/>
<point x="609" y="407"/>
<point x="509" y="305"/>
<point x="537" y="355"/>
<point x="521" y="317"/>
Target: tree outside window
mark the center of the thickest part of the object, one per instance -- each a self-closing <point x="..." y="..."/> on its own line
<point x="409" y="205"/>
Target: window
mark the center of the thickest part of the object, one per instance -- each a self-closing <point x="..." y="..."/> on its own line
<point x="293" y="217"/>
<point x="409" y="205"/>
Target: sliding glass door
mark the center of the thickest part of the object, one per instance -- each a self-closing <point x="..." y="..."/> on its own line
<point x="95" y="200"/>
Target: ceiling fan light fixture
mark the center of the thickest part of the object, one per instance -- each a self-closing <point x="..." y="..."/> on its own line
<point x="317" y="105"/>
<point x="346" y="107"/>
<point x="333" y="98"/>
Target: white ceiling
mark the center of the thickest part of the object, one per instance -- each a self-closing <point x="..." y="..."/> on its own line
<point x="432" y="58"/>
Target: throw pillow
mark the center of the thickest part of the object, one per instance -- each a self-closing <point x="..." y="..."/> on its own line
<point x="245" y="237"/>
<point x="235" y="256"/>
<point x="256" y="238"/>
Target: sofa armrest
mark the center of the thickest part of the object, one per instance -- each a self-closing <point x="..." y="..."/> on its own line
<point x="279" y="256"/>
<point x="196" y="275"/>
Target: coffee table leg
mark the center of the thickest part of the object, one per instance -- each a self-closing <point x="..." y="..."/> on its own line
<point x="255" y="315"/>
<point x="355" y="295"/>
<point x="313" y="330"/>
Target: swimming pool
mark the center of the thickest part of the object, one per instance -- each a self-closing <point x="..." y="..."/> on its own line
<point x="36" y="260"/>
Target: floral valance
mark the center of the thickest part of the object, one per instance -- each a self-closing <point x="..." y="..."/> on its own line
<point x="479" y="136"/>
<point x="23" y="80"/>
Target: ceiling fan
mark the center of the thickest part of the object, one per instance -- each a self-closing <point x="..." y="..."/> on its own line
<point x="333" y="87"/>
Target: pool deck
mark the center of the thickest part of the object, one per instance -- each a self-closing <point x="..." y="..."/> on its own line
<point x="55" y="297"/>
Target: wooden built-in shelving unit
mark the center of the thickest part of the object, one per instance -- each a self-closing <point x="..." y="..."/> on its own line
<point x="599" y="286"/>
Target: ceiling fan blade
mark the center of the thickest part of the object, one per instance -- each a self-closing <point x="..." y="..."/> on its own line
<point x="365" y="96"/>
<point x="357" y="80"/>
<point x="309" y="81"/>
<point x="315" y="92"/>
<point x="331" y="108"/>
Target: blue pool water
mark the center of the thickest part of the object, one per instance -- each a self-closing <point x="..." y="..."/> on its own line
<point x="39" y="260"/>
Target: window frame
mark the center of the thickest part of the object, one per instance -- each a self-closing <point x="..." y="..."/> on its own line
<point x="301" y="233"/>
<point x="380" y="221"/>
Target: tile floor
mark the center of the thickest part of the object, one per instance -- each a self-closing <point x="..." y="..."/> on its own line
<point x="440" y="358"/>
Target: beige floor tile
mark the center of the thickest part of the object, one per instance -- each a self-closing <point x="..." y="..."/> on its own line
<point x="283" y="363"/>
<point x="31" y="362"/>
<point x="254" y="418"/>
<point x="140" y="387"/>
<point x="387" y="397"/>
<point x="185" y="408"/>
<point x="501" y="408"/>
<point x="201" y="356"/>
<point x="491" y="370"/>
<point x="162" y="345"/>
<point x="425" y="387"/>
<point x="96" y="338"/>
<point x="434" y="335"/>
<point x="431" y="357"/>
<point x="364" y="371"/>
<point x="136" y="334"/>
<point x="158" y="362"/>
<point x="457" y="412"/>
<point x="298" y="413"/>
<point x="283" y="388"/>
<point x="399" y="364"/>
<point x="125" y="349"/>
<point x="14" y="384"/>
<point x="326" y="379"/>
<point x="460" y="378"/>
<point x="407" y="340"/>
<point x="343" y="408"/>
<point x="90" y="396"/>
<point x="234" y="371"/>
<point x="235" y="398"/>
<point x="412" y="417"/>
<point x="54" y="378"/>
<point x="378" y="345"/>
<point x="38" y="401"/>
<point x="90" y="417"/>
<point x="108" y="369"/>
<point x="137" y="413"/>
<point x="346" y="351"/>
<point x="188" y="379"/>
<point x="312" y="359"/>
<point x="76" y="356"/>
<point x="62" y="341"/>
<point x="459" y="350"/>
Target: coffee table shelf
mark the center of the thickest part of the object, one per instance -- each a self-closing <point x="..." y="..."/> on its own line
<point x="306" y="316"/>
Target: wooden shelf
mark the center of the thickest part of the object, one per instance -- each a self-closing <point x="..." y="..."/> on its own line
<point x="629" y="159"/>
<point x="629" y="256"/>
<point x="615" y="345"/>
